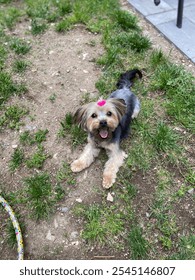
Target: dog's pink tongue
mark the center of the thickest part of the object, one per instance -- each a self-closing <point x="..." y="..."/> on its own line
<point x="104" y="133"/>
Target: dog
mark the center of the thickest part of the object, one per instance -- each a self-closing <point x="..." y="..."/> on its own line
<point x="107" y="123"/>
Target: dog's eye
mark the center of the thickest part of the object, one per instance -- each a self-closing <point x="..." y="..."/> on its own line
<point x="94" y="116"/>
<point x="109" y="114"/>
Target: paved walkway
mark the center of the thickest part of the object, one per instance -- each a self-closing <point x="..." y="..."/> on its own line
<point x="164" y="17"/>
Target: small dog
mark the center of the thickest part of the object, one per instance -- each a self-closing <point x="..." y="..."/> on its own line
<point x="107" y="123"/>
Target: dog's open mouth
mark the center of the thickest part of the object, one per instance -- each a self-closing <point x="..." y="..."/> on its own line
<point x="103" y="132"/>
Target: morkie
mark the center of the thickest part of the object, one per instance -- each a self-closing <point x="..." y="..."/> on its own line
<point x="107" y="123"/>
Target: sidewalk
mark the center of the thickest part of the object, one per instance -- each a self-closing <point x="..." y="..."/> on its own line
<point x="164" y="17"/>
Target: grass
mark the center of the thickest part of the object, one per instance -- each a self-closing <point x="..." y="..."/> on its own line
<point x="19" y="46"/>
<point x="9" y="17"/>
<point x="69" y="129"/>
<point x="12" y="117"/>
<point x="20" y="66"/>
<point x="179" y="87"/>
<point x="102" y="224"/>
<point x="9" y="88"/>
<point x="39" y="191"/>
<point x="27" y="138"/>
<point x="159" y="149"/>
<point x="164" y="138"/>
<point x="64" y="174"/>
<point x="138" y="244"/>
<point x="186" y="248"/>
<point x="38" y="27"/>
<point x="37" y="159"/>
<point x="161" y="208"/>
<point x="17" y="159"/>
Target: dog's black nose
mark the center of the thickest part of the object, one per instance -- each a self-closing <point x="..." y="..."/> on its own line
<point x="103" y="123"/>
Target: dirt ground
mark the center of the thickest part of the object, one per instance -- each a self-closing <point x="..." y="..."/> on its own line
<point x="63" y="64"/>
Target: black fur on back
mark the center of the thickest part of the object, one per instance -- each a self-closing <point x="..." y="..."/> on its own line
<point x="126" y="79"/>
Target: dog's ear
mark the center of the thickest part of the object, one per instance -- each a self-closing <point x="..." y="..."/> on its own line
<point x="80" y="116"/>
<point x="120" y="106"/>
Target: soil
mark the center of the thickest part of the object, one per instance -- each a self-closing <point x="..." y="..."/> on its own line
<point x="63" y="64"/>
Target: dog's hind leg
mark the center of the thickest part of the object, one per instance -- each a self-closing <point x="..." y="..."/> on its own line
<point x="86" y="158"/>
<point x="136" y="109"/>
<point x="115" y="161"/>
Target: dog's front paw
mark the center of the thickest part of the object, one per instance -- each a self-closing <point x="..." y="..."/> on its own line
<point x="77" y="166"/>
<point x="108" y="180"/>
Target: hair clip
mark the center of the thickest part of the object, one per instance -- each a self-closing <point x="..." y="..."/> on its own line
<point x="101" y="102"/>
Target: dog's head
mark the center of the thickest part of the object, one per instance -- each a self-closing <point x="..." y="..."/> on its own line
<point x="101" y="118"/>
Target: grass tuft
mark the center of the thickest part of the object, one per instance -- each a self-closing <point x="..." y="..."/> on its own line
<point x="38" y="158"/>
<point x="138" y="244"/>
<point x="69" y="129"/>
<point x="12" y="117"/>
<point x="103" y="224"/>
<point x="16" y="159"/>
<point x="39" y="190"/>
<point x="38" y="27"/>
<point x="126" y="20"/>
<point x="20" y="66"/>
<point x="164" y="138"/>
<point x="30" y="139"/>
<point x="20" y="46"/>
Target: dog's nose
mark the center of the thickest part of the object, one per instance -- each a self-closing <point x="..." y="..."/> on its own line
<point x="103" y="123"/>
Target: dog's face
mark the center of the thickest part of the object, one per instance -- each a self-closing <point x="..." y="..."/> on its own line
<point x="102" y="118"/>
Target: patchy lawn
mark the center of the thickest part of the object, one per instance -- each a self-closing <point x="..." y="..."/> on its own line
<point x="55" y="56"/>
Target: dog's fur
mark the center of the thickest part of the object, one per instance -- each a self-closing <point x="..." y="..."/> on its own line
<point x="107" y="123"/>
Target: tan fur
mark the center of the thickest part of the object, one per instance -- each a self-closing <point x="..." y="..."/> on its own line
<point x="84" y="117"/>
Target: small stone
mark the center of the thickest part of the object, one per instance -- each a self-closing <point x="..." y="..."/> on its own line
<point x="191" y="191"/>
<point x="110" y="197"/>
<point x="64" y="209"/>
<point x="15" y="146"/>
<point x="49" y="236"/>
<point x="147" y="215"/>
<point x="79" y="200"/>
<point x="30" y="127"/>
<point x="83" y="90"/>
<point x="85" y="71"/>
<point x="55" y="156"/>
<point x="75" y="243"/>
<point x="55" y="223"/>
<point x="74" y="235"/>
<point x="84" y="55"/>
<point x="51" y="52"/>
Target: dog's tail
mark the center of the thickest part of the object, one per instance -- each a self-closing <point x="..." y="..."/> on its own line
<point x="126" y="79"/>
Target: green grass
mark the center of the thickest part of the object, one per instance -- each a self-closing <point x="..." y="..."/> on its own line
<point x="12" y="117"/>
<point x="126" y="20"/>
<point x="38" y="137"/>
<point x="16" y="159"/>
<point x="161" y="208"/>
<point x="39" y="191"/>
<point x="138" y="244"/>
<point x="164" y="138"/>
<point x="3" y="56"/>
<point x="64" y="174"/>
<point x="159" y="154"/>
<point x="9" y="17"/>
<point x="8" y="88"/>
<point x="20" y="66"/>
<point x="69" y="129"/>
<point x="179" y="87"/>
<point x="102" y="224"/>
<point x="37" y="159"/>
<point x="19" y="46"/>
<point x="186" y="248"/>
<point x="38" y="27"/>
